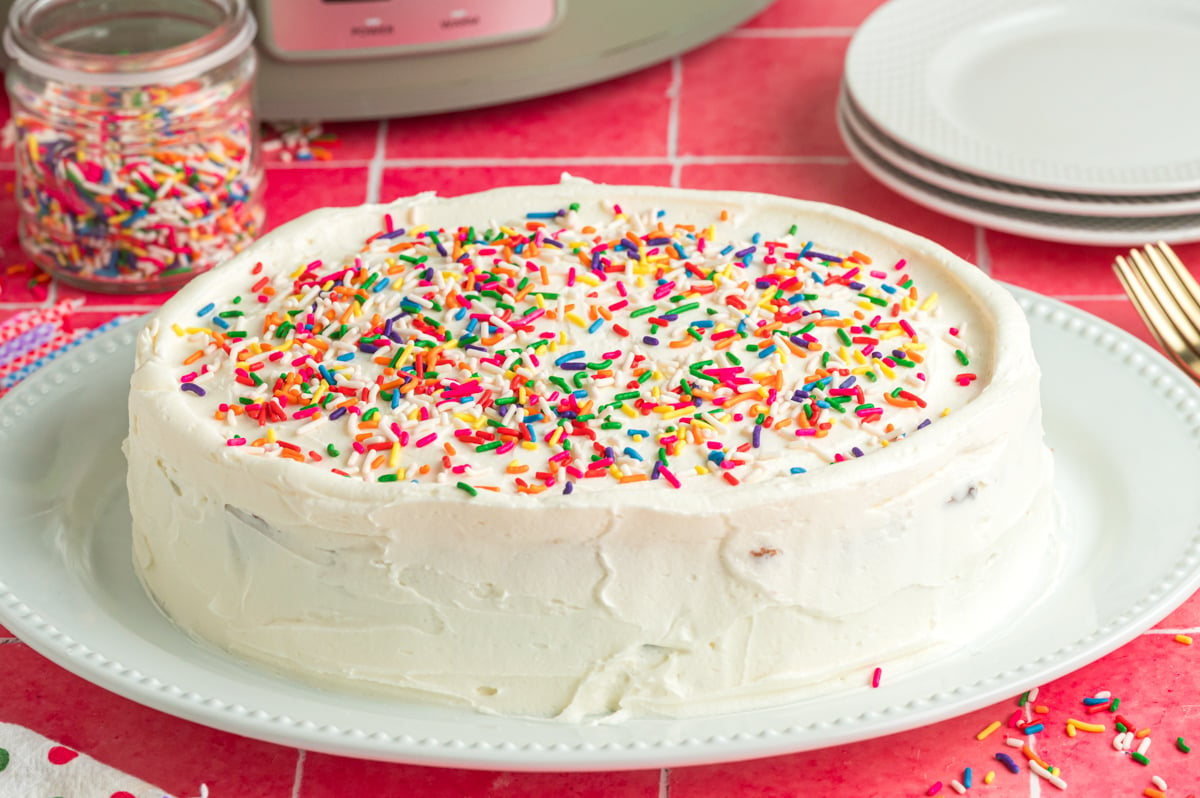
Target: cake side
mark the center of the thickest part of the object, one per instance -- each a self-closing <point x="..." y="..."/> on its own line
<point x="644" y="595"/>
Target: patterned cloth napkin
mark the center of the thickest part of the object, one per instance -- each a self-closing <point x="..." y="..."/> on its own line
<point x="31" y="339"/>
<point x="33" y="766"/>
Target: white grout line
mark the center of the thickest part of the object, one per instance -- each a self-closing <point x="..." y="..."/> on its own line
<point x="674" y="92"/>
<point x="349" y="163"/>
<point x="1035" y="786"/>
<point x="1173" y="632"/>
<point x="766" y="160"/>
<point x="300" y="755"/>
<point x="983" y="258"/>
<point x="587" y="160"/>
<point x="664" y="783"/>
<point x="573" y="160"/>
<point x="118" y="308"/>
<point x="620" y="160"/>
<point x="1090" y="297"/>
<point x="790" y="33"/>
<point x="1035" y="782"/>
<point x="375" y="169"/>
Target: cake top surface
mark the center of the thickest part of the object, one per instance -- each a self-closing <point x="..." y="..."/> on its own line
<point x="576" y="339"/>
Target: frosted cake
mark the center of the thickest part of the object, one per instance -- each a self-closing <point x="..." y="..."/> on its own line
<point x="577" y="451"/>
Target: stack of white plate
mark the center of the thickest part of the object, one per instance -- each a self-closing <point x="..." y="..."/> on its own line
<point x="1067" y="120"/>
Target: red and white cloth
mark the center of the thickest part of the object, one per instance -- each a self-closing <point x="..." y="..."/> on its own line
<point x="31" y="339"/>
<point x="32" y="766"/>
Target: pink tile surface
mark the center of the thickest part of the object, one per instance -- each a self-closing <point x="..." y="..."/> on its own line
<point x="842" y="184"/>
<point x="147" y="301"/>
<point x="787" y="108"/>
<point x="452" y="181"/>
<point x="335" y="142"/>
<point x="294" y="191"/>
<point x="328" y="777"/>
<point x="904" y="764"/>
<point x="1157" y="680"/>
<point x="624" y="117"/>
<point x="754" y="112"/>
<point x="804" y="14"/>
<point x="1186" y="616"/>
<point x="1064" y="269"/>
<point x="87" y="319"/>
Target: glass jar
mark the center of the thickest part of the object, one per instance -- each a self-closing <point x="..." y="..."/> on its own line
<point x="136" y="145"/>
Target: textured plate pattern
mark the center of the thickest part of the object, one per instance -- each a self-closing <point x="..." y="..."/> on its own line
<point x="1011" y="194"/>
<point x="67" y="588"/>
<point x="1061" y="227"/>
<point x="957" y="81"/>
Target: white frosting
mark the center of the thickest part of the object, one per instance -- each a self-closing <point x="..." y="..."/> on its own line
<point x="632" y="598"/>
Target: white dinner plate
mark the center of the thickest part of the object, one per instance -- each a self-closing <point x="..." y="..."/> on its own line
<point x="1017" y="196"/>
<point x="1089" y="96"/>
<point x="1131" y="554"/>
<point x="1059" y="227"/>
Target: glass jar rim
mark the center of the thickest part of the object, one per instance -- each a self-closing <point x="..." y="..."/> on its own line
<point x="224" y="42"/>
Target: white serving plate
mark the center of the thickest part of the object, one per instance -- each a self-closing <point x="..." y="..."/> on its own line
<point x="1011" y="194"/>
<point x="1089" y="96"/>
<point x="1058" y="227"/>
<point x="68" y="589"/>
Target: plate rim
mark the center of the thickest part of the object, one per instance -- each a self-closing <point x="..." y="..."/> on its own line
<point x="986" y="189"/>
<point x="943" y="19"/>
<point x="661" y="751"/>
<point x="1007" y="218"/>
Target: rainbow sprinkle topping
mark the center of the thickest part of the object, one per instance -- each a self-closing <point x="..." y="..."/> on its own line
<point x="555" y="354"/>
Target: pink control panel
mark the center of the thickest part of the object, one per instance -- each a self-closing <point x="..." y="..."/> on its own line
<point x="308" y="29"/>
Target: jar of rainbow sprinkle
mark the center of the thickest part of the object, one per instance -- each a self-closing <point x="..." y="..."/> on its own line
<point x="136" y="145"/>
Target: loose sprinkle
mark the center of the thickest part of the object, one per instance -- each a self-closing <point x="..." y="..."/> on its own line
<point x="1054" y="779"/>
<point x="1008" y="762"/>
<point x="1183" y="639"/>
<point x="987" y="731"/>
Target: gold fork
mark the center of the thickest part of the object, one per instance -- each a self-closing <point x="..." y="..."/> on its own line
<point x="1168" y="299"/>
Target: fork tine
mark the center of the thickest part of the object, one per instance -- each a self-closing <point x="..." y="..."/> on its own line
<point x="1175" y="291"/>
<point x="1143" y="302"/>
<point x="1189" y="296"/>
<point x="1152" y="313"/>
